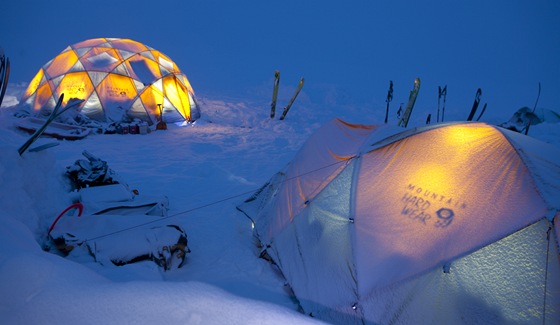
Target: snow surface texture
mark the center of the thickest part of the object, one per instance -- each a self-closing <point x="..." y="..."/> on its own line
<point x="204" y="170"/>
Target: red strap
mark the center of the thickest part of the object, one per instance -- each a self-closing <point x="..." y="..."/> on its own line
<point x="77" y="205"/>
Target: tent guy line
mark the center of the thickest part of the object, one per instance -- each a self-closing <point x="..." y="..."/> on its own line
<point x="215" y="202"/>
<point x="384" y="141"/>
<point x="374" y="145"/>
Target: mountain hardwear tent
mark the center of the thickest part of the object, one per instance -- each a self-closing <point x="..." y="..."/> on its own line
<point x="444" y="224"/>
<point x="119" y="79"/>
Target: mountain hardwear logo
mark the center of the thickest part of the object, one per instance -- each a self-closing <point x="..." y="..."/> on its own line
<point x="429" y="207"/>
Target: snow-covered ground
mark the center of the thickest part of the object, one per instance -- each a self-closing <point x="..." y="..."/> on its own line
<point x="205" y="170"/>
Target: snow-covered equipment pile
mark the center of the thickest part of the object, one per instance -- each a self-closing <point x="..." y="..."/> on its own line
<point x="55" y="130"/>
<point x="444" y="224"/>
<point x="525" y="116"/>
<point x="92" y="172"/>
<point x="120" y="80"/>
<point x="113" y="224"/>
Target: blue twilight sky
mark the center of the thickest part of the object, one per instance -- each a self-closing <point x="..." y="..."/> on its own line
<point x="346" y="50"/>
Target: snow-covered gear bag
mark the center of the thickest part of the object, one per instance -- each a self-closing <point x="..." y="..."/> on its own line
<point x="120" y="238"/>
<point x="119" y="227"/>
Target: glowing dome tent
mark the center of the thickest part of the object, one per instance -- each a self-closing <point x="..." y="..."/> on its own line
<point x="446" y="224"/>
<point x="119" y="79"/>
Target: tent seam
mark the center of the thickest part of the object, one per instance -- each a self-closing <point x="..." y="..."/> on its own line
<point x="352" y="216"/>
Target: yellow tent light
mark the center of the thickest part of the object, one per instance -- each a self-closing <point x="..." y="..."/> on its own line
<point x="75" y="85"/>
<point x="61" y="64"/>
<point x="34" y="84"/>
<point x="467" y="134"/>
<point x="113" y="76"/>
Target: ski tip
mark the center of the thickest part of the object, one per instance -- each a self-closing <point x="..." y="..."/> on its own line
<point x="43" y="147"/>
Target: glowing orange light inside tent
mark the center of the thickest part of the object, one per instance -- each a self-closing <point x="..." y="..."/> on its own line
<point x="446" y="176"/>
<point x="459" y="136"/>
<point x="151" y="97"/>
<point x="187" y="83"/>
<point x="75" y="85"/>
<point x="43" y="96"/>
<point x="34" y="84"/>
<point x="115" y="89"/>
<point x="101" y="59"/>
<point x="90" y="43"/>
<point x="109" y="74"/>
<point x="178" y="95"/>
<point x="165" y="62"/>
<point x="130" y="45"/>
<point x="146" y="77"/>
<point x="62" y="63"/>
<point x="433" y="176"/>
<point x="437" y="171"/>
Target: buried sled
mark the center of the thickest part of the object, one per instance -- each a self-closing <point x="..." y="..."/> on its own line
<point x="114" y="225"/>
<point x="61" y="131"/>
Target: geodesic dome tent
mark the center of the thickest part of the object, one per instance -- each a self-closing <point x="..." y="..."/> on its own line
<point x="452" y="223"/>
<point x="118" y="79"/>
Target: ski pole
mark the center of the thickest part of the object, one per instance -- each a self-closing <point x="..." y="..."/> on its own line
<point x="389" y="98"/>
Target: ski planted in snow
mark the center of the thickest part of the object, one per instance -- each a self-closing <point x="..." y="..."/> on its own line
<point x="54" y="114"/>
<point x="274" y="93"/>
<point x="389" y="99"/>
<point x="410" y="105"/>
<point x="534" y="108"/>
<point x="4" y="75"/>
<point x="482" y="112"/>
<point x="2" y="66"/>
<point x="442" y="92"/>
<point x="287" y="108"/>
<point x="475" y="104"/>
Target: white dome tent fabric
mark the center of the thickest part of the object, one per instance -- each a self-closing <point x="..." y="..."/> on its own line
<point x="118" y="79"/>
<point x="445" y="224"/>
